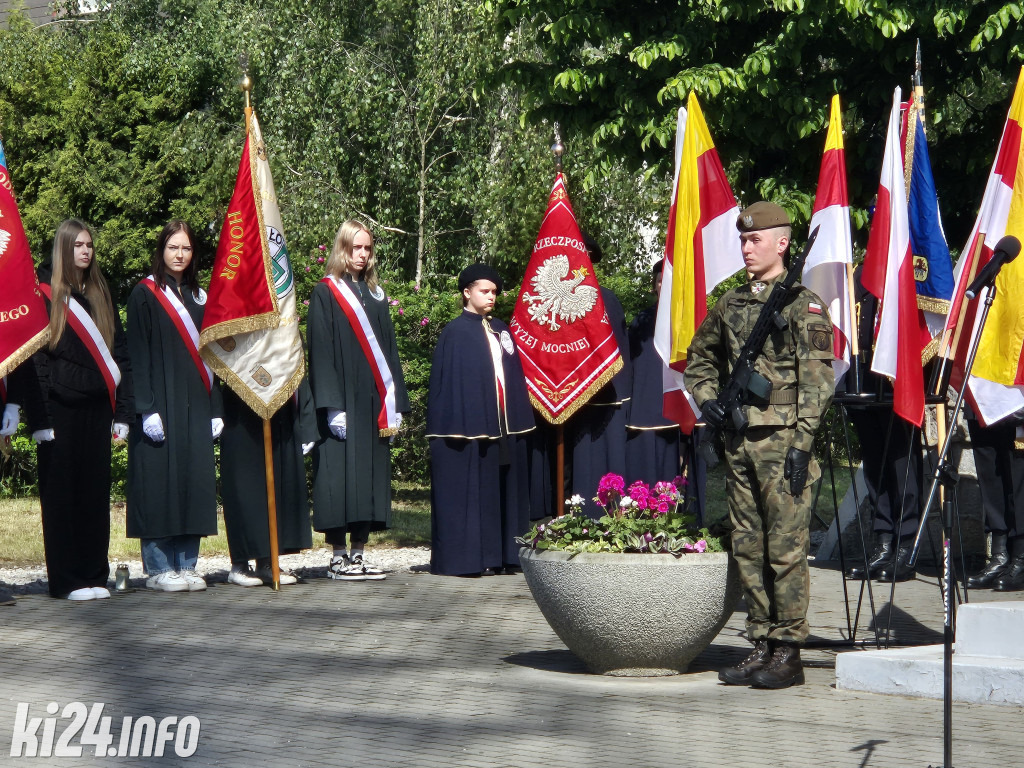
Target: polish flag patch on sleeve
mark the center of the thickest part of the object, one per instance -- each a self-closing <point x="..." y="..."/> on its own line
<point x="814" y="309"/>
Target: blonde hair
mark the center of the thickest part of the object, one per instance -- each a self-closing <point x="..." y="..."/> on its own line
<point x="341" y="252"/>
<point x="67" y="277"/>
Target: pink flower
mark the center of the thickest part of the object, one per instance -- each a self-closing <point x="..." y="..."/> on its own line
<point x="415" y="287"/>
<point x="611" y="482"/>
<point x="308" y="268"/>
<point x="401" y="311"/>
<point x="679" y="481"/>
<point x="700" y="546"/>
<point x="306" y="302"/>
<point x="319" y="259"/>
<point x="322" y="247"/>
<point x="424" y="321"/>
<point x="663" y="504"/>
<point x="584" y="530"/>
<point x="394" y="302"/>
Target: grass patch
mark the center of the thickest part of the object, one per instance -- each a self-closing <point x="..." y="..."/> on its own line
<point x="21" y="531"/>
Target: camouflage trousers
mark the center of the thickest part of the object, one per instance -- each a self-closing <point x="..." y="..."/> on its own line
<point x="770" y="537"/>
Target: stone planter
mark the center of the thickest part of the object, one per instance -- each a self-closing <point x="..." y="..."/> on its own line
<point x="633" y="614"/>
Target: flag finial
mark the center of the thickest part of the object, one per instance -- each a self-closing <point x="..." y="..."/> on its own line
<point x="246" y="82"/>
<point x="558" y="148"/>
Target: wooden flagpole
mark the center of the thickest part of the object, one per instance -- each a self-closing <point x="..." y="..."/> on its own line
<point x="558" y="148"/>
<point x="268" y="449"/>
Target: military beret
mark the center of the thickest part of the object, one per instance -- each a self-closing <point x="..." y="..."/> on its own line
<point x="593" y="249"/>
<point x="762" y="215"/>
<point x="658" y="267"/>
<point x="475" y="272"/>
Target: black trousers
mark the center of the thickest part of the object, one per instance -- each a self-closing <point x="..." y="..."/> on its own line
<point x="1000" y="476"/>
<point x="890" y="483"/>
<point x="74" y="493"/>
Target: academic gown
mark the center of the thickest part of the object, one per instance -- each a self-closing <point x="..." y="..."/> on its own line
<point x="23" y="389"/>
<point x="596" y="434"/>
<point x="352" y="477"/>
<point x="479" y="490"/>
<point x="74" y="467"/>
<point x="243" y="475"/>
<point x="172" y="485"/>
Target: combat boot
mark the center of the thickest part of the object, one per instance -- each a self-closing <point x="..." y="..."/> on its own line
<point x="995" y="566"/>
<point x="782" y="670"/>
<point x="879" y="558"/>
<point x="1012" y="579"/>
<point x="901" y="570"/>
<point x="742" y="672"/>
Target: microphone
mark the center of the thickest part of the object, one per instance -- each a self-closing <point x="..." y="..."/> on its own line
<point x="1006" y="250"/>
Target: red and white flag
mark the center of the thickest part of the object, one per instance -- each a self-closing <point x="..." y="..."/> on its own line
<point x="996" y="385"/>
<point x="560" y="325"/>
<point x="702" y="248"/>
<point x="23" y="314"/>
<point x="888" y="273"/>
<point x="825" y="271"/>
<point x="250" y="335"/>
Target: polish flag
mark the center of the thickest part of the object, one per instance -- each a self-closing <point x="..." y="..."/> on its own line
<point x="825" y="271"/>
<point x="702" y="248"/>
<point x="889" y="274"/>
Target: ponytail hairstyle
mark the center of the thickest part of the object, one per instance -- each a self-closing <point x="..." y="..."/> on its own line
<point x="341" y="252"/>
<point x="158" y="269"/>
<point x="89" y="282"/>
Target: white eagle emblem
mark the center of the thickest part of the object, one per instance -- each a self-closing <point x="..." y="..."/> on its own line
<point x="5" y="238"/>
<point x="559" y="297"/>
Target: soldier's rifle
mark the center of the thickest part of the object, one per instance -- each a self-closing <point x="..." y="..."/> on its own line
<point x="744" y="379"/>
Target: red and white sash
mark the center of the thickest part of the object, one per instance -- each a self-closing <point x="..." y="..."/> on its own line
<point x="387" y="419"/>
<point x="186" y="327"/>
<point x="85" y="328"/>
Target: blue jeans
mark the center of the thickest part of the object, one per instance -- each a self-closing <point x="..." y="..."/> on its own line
<point x="170" y="553"/>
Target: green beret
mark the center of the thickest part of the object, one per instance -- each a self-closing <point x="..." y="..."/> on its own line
<point x="762" y="215"/>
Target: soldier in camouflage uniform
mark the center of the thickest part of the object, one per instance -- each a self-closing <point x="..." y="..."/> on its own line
<point x="771" y="464"/>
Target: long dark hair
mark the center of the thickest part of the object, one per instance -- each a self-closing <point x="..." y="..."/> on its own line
<point x="159" y="269"/>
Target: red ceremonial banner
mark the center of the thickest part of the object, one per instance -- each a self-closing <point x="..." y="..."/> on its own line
<point x="241" y="290"/>
<point x="560" y="325"/>
<point x="23" y="318"/>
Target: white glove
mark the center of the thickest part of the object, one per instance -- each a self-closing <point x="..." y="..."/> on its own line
<point x="217" y="426"/>
<point x="120" y="431"/>
<point x="307" y="447"/>
<point x="12" y="415"/>
<point x="153" y="427"/>
<point x="338" y="423"/>
<point x="398" y="425"/>
<point x="42" y="435"/>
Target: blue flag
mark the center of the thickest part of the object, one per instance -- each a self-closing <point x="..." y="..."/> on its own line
<point x="933" y="267"/>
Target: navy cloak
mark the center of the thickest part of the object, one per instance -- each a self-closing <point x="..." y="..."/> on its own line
<point x="479" y="491"/>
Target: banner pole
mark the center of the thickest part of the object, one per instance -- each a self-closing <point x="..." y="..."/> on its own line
<point x="560" y="471"/>
<point x="268" y="457"/>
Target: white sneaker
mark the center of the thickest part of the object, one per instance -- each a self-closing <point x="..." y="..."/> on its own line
<point x="168" y="581"/>
<point x="266" y="576"/>
<point x="85" y="593"/>
<point x="372" y="573"/>
<point x="195" y="582"/>
<point x="343" y="569"/>
<point x="100" y="593"/>
<point x="244" y="578"/>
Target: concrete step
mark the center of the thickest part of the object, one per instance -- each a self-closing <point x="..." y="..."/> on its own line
<point x="988" y="661"/>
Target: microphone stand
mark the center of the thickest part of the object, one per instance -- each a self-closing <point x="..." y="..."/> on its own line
<point x="946" y="476"/>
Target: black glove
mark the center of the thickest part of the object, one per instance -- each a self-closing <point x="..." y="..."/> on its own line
<point x="795" y="469"/>
<point x="712" y="413"/>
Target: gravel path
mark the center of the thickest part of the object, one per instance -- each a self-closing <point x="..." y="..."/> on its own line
<point x="308" y="564"/>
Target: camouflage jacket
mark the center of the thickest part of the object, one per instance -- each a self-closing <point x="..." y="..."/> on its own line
<point x="797" y="360"/>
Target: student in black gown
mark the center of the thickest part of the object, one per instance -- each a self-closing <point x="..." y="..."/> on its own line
<point x="352" y="460"/>
<point x="172" y="493"/>
<point x="244" y="490"/>
<point x="478" y="417"/>
<point x="74" y="467"/>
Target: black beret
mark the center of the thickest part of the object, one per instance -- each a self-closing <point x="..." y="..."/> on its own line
<point x="593" y="249"/>
<point x="475" y="272"/>
<point x="762" y="215"/>
<point x="658" y="267"/>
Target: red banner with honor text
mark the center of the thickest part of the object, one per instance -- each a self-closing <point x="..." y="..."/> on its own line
<point x="250" y="335"/>
<point x="23" y="320"/>
<point x="560" y="324"/>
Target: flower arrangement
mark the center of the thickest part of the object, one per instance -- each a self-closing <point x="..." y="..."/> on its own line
<point x="637" y="519"/>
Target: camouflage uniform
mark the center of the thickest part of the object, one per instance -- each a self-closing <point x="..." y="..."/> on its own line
<point x="770" y="536"/>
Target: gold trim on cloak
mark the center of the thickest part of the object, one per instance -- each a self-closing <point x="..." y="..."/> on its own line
<point x="25" y="351"/>
<point x="581" y="400"/>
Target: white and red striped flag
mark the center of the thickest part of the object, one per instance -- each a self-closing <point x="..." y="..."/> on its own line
<point x="996" y="385"/>
<point x="702" y="248"/>
<point x="825" y="271"/>
<point x="901" y="335"/>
